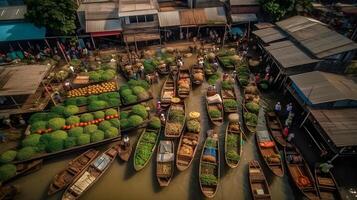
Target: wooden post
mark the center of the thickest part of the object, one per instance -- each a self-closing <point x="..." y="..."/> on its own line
<point x="64" y="55"/>
<point x="13" y="100"/>
<point x="91" y="37"/>
<point x="303" y="121"/>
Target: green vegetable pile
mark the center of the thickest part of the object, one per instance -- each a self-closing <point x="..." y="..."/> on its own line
<point x="211" y="143"/>
<point x="252" y="107"/>
<point x="232" y="146"/>
<point x="96" y="102"/>
<point x="243" y="74"/>
<point x="194" y="126"/>
<point x="133" y="117"/>
<point x="214" y="113"/>
<point x="251" y="119"/>
<point x="145" y="148"/>
<point x="135" y="90"/>
<point x="230" y="104"/>
<point x="101" y="75"/>
<point x="212" y="79"/>
<point x="208" y="179"/>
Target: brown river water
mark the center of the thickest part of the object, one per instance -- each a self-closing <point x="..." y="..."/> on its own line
<point x="122" y="182"/>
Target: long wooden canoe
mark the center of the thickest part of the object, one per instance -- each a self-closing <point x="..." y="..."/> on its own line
<point x="215" y="106"/>
<point x="327" y="185"/>
<point x="210" y="165"/>
<point x="139" y="161"/>
<point x="229" y="94"/>
<point x="270" y="153"/>
<point x="233" y="143"/>
<point x="91" y="175"/>
<point x="197" y="70"/>
<point x="168" y="91"/>
<point x="165" y="162"/>
<point x="123" y="151"/>
<point x="74" y="168"/>
<point x="248" y="97"/>
<point x="174" y="109"/>
<point x="257" y="181"/>
<point x="25" y="168"/>
<point x="183" y="83"/>
<point x="275" y="128"/>
<point x="8" y="192"/>
<point x="300" y="172"/>
<point x="187" y="148"/>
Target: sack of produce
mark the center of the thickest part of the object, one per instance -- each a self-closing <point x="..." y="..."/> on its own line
<point x="209" y="158"/>
<point x="214" y="99"/>
<point x="198" y="76"/>
<point x="194" y="115"/>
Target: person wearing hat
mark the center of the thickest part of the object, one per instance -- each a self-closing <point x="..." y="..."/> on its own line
<point x="162" y="119"/>
<point x="277" y="107"/>
<point x="158" y="107"/>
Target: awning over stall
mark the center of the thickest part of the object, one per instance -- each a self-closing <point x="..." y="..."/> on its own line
<point x="244" y="18"/>
<point x="170" y="18"/>
<point x="20" y="31"/>
<point x="106" y="27"/>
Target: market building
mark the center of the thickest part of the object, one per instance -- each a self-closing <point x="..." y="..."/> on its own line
<point x="329" y="102"/>
<point x="245" y="11"/>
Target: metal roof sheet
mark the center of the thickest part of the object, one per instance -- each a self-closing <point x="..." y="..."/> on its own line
<point x="215" y="15"/>
<point x="339" y="124"/>
<point x="245" y="17"/>
<point x="170" y="18"/>
<point x="270" y="34"/>
<point x="288" y="54"/>
<point x="244" y="2"/>
<point x="12" y="12"/>
<point x="137" y="7"/>
<point x="321" y="87"/>
<point x="103" y="25"/>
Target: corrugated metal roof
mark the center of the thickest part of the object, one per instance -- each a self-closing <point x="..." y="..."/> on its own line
<point x="244" y="2"/>
<point x="141" y="7"/>
<point x="187" y="18"/>
<point x="263" y="25"/>
<point x="12" y="12"/>
<point x="246" y="17"/>
<point x="171" y="18"/>
<point x="316" y="37"/>
<point x="321" y="87"/>
<point x="216" y="15"/>
<point x="103" y="25"/>
<point x="269" y="34"/>
<point x="339" y="124"/>
<point x="288" y="54"/>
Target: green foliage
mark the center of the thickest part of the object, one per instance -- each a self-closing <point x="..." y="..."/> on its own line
<point x="31" y="140"/>
<point x="38" y="117"/>
<point x="86" y="117"/>
<point x="132" y="83"/>
<point x="55" y="145"/>
<point x="81" y="101"/>
<point x="111" y="111"/>
<point x="56" y="123"/>
<point x="83" y="139"/>
<point x="124" y="115"/>
<point x="130" y="99"/>
<point x="44" y="140"/>
<point x="277" y="9"/>
<point x="124" y="123"/>
<point x="211" y="142"/>
<point x="227" y="85"/>
<point x="138" y="90"/>
<point x="251" y="119"/>
<point x="155" y="123"/>
<point x="149" y="66"/>
<point x="70" y="110"/>
<point x="126" y="92"/>
<point x="208" y="179"/>
<point x="8" y="156"/>
<point x="232" y="145"/>
<point x="213" y="78"/>
<point x="7" y="171"/>
<point x="90" y="129"/>
<point x="70" y="142"/>
<point x="38" y="125"/>
<point x="144" y="148"/>
<point x="92" y="98"/>
<point x="70" y="101"/>
<point x="104" y="125"/>
<point x="61" y="135"/>
<point x="58" y="109"/>
<point x="115" y="123"/>
<point x="193" y="126"/>
<point x="230" y="104"/>
<point x="25" y="153"/>
<point x="135" y="120"/>
<point x="75" y="132"/>
<point x="97" y="105"/>
<point x="99" y="115"/>
<point x="214" y="113"/>
<point x="72" y="120"/>
<point x="252" y="107"/>
<point x="97" y="136"/>
<point x="113" y="102"/>
<point x="56" y="15"/>
<point x="94" y="76"/>
<point x="177" y="116"/>
<point x="111" y="132"/>
<point x="108" y="75"/>
<point x="140" y="110"/>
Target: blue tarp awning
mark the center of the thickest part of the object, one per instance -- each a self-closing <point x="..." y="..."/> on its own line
<point x="20" y="31"/>
<point x="237" y="30"/>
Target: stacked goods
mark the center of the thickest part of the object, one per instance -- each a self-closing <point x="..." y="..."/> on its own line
<point x="102" y="75"/>
<point x="228" y="58"/>
<point x="93" y="89"/>
<point x="184" y="83"/>
<point x="134" y="91"/>
<point x="251" y="107"/>
<point x="197" y="74"/>
<point x="66" y="131"/>
<point x="134" y="117"/>
<point x="175" y="120"/>
<point x="230" y="103"/>
<point x="189" y="141"/>
<point x="146" y="144"/>
<point x="243" y="74"/>
<point x="96" y="102"/>
<point x="233" y="141"/>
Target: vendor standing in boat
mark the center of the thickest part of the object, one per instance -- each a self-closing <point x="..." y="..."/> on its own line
<point x="126" y="141"/>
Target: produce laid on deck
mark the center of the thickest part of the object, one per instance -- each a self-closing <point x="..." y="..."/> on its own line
<point x="210" y="64"/>
<point x="176" y="117"/>
<point x="251" y="107"/>
<point x="233" y="141"/>
<point x="93" y="89"/>
<point x="134" y="91"/>
<point x="183" y="83"/>
<point x="165" y="160"/>
<point x="134" y="117"/>
<point x="229" y="97"/>
<point x="257" y="181"/>
<point x="243" y="73"/>
<point x="214" y="106"/>
<point x="95" y="102"/>
<point x="197" y="74"/>
<point x="228" y="58"/>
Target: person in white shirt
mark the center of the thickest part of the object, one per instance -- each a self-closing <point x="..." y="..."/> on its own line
<point x="277" y="107"/>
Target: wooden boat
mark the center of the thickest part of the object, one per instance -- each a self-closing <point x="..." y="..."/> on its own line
<point x="214" y="102"/>
<point x="163" y="69"/>
<point x="139" y="162"/>
<point x="168" y="91"/>
<point x="74" y="168"/>
<point x="165" y="162"/>
<point x="187" y="147"/>
<point x="196" y="74"/>
<point x="183" y="83"/>
<point x="275" y="128"/>
<point x="210" y="165"/>
<point x="326" y="185"/>
<point x="176" y="117"/>
<point x="124" y="151"/>
<point x="91" y="175"/>
<point x="300" y="172"/>
<point x="270" y="153"/>
<point x="8" y="192"/>
<point x="233" y="142"/>
<point x="229" y="94"/>
<point x="25" y="168"/>
<point x="209" y="66"/>
<point x="250" y="97"/>
<point x="258" y="183"/>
